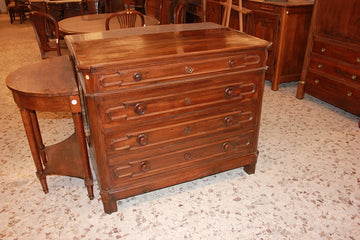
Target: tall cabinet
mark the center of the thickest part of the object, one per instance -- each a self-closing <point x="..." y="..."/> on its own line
<point x="331" y="69"/>
<point x="286" y="25"/>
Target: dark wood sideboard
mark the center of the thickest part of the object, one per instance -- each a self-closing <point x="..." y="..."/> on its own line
<point x="168" y="104"/>
<point x="332" y="65"/>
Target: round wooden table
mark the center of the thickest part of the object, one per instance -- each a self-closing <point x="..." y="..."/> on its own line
<point x="93" y="23"/>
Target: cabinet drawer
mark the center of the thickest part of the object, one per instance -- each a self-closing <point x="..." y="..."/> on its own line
<point x="123" y="77"/>
<point x="178" y="98"/>
<point x="194" y="153"/>
<point x="334" y="92"/>
<point x="341" y="72"/>
<point x="121" y="141"/>
<point x="337" y="51"/>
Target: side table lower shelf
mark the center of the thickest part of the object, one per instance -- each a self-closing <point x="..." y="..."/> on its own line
<point x="63" y="158"/>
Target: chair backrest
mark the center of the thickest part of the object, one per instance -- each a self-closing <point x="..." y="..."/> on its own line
<point x="45" y="27"/>
<point x="180" y="12"/>
<point x="126" y="19"/>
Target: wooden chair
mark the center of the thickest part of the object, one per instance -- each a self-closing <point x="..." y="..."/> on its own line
<point x="17" y="8"/>
<point x="46" y="29"/>
<point x="126" y="19"/>
<point x="180" y="12"/>
<point x="50" y="85"/>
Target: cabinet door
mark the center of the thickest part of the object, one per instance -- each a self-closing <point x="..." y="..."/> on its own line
<point x="266" y="26"/>
<point x="213" y="12"/>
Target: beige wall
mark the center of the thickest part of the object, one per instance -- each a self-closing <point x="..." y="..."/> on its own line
<point x="2" y="6"/>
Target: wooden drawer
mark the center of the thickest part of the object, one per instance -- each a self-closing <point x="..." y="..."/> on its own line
<point x="121" y="141"/>
<point x="160" y="101"/>
<point x="334" y="92"/>
<point x="335" y="70"/>
<point x="193" y="152"/>
<point x="124" y="76"/>
<point x="337" y="51"/>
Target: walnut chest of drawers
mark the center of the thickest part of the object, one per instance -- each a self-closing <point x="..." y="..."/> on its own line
<point x="332" y="64"/>
<point x="168" y="104"/>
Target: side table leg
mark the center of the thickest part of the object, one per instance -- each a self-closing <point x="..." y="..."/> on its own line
<point x="84" y="153"/>
<point x="41" y="147"/>
<point x="29" y="129"/>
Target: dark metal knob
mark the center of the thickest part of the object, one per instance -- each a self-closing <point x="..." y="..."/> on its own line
<point x="230" y="92"/>
<point x="142" y="139"/>
<point x="228" y="121"/>
<point x="140" y="108"/>
<point x="138" y="76"/>
<point x="145" y="166"/>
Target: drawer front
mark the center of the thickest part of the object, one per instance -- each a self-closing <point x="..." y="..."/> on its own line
<point x="338" y="71"/>
<point x="337" y="51"/>
<point x="143" y="139"/>
<point x="124" y="77"/>
<point x="182" y="97"/>
<point x="192" y="154"/>
<point x="334" y="92"/>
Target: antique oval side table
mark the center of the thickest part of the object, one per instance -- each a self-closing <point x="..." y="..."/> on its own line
<point x="50" y="86"/>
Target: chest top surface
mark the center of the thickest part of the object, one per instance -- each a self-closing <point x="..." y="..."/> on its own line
<point x="156" y="44"/>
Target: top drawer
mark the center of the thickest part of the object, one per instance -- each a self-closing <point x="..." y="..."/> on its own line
<point x="342" y="52"/>
<point x="124" y="76"/>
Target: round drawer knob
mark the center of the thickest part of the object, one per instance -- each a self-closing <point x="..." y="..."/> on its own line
<point x="140" y="108"/>
<point x="138" y="76"/>
<point x="187" y="156"/>
<point x="358" y="59"/>
<point x="145" y="166"/>
<point x="142" y="139"/>
<point x="231" y="62"/>
<point x="228" y="121"/>
<point x="353" y="77"/>
<point x="230" y="92"/>
<point x="227" y="146"/>
<point x="320" y="65"/>
<point x="317" y="81"/>
<point x="349" y="94"/>
<point x="189" y="69"/>
<point x="323" y="50"/>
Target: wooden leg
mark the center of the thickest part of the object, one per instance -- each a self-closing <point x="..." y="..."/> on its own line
<point x="300" y="90"/>
<point x="109" y="203"/>
<point x="250" y="168"/>
<point x="36" y="128"/>
<point x="29" y="129"/>
<point x="84" y="153"/>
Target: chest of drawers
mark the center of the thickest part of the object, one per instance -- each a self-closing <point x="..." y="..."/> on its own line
<point x="169" y="107"/>
<point x="332" y="65"/>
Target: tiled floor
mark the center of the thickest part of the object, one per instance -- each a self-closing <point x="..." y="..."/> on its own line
<point x="306" y="185"/>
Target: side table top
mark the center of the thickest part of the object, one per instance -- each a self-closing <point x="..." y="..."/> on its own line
<point x="50" y="77"/>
